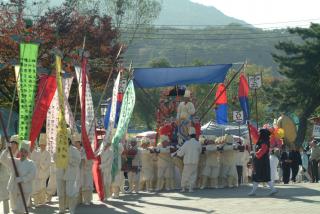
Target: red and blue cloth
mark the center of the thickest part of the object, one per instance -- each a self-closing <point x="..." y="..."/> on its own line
<point x="222" y="105"/>
<point x="243" y="93"/>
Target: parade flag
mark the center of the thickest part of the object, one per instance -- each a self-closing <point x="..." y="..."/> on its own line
<point x="46" y="90"/>
<point x="254" y="133"/>
<point x="62" y="134"/>
<point x="28" y="87"/>
<point x="17" y="75"/>
<point x="97" y="174"/>
<point x="107" y="116"/>
<point x="113" y="111"/>
<point x="53" y="113"/>
<point x="222" y="105"/>
<point x="121" y="90"/>
<point x="125" y="115"/>
<point x="87" y="111"/>
<point x="243" y="94"/>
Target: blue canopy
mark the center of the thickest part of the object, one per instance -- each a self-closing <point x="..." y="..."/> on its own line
<point x="162" y="77"/>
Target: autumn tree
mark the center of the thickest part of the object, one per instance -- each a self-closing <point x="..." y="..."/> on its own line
<point x="63" y="28"/>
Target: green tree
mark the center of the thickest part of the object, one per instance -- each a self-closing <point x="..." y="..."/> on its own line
<point x="159" y="63"/>
<point x="301" y="66"/>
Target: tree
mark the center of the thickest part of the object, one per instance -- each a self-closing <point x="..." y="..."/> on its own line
<point x="300" y="64"/>
<point x="62" y="28"/>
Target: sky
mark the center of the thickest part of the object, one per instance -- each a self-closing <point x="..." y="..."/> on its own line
<point x="269" y="13"/>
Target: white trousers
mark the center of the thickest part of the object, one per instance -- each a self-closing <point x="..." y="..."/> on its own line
<point x="189" y="175"/>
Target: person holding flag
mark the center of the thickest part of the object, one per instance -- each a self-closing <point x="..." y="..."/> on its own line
<point x="261" y="163"/>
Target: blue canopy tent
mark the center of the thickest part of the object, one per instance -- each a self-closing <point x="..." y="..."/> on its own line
<point x="163" y="77"/>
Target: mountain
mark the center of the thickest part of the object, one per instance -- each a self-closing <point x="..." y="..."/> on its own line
<point x="185" y="12"/>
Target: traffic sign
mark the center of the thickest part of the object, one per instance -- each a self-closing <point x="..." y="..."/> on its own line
<point x="238" y="116"/>
<point x="255" y="81"/>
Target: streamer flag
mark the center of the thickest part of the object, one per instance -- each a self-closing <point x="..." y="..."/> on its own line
<point x="46" y="90"/>
<point x="87" y="110"/>
<point x="222" y="105"/>
<point x="62" y="133"/>
<point x="53" y="113"/>
<point x="243" y="94"/>
<point x="125" y="115"/>
<point x="113" y="111"/>
<point x="28" y="87"/>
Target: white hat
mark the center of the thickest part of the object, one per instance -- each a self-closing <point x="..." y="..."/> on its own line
<point x="14" y="138"/>
<point x="76" y="137"/>
<point x="43" y="139"/>
<point x="164" y="138"/>
<point x="145" y="140"/>
<point x="187" y="93"/>
<point x="202" y="139"/>
<point x="25" y="144"/>
<point x="228" y="139"/>
<point x="192" y="131"/>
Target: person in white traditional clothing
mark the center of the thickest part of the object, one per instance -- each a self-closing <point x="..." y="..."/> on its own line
<point x="190" y="151"/>
<point x="164" y="164"/>
<point x="133" y="161"/>
<point x="118" y="180"/>
<point x="52" y="182"/>
<point x="228" y="161"/>
<point x="68" y="180"/>
<point x="27" y="172"/>
<point x="86" y="180"/>
<point x="106" y="166"/>
<point x="185" y="111"/>
<point x="274" y="162"/>
<point x="42" y="160"/>
<point x="147" y="170"/>
<point x="4" y="178"/>
<point x="212" y="166"/>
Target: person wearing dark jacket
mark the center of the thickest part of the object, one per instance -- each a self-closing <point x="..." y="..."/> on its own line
<point x="295" y="157"/>
<point x="261" y="163"/>
<point x="285" y="165"/>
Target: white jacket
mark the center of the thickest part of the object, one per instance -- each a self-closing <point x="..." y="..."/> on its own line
<point x="42" y="160"/>
<point x="4" y="178"/>
<point x="212" y="155"/>
<point x="190" y="151"/>
<point x="185" y="110"/>
<point x="27" y="171"/>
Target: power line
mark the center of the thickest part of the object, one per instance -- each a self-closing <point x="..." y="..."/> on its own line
<point x="213" y="39"/>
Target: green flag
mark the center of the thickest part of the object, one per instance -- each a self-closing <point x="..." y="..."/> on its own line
<point x="28" y="87"/>
<point x="127" y="107"/>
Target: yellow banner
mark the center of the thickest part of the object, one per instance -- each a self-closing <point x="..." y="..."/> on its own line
<point x="62" y="133"/>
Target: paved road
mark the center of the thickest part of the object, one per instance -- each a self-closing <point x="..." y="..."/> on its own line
<point x="297" y="198"/>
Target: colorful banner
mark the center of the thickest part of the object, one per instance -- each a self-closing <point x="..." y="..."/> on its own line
<point x="17" y="75"/>
<point x="62" y="133"/>
<point x="222" y="105"/>
<point x="243" y="93"/>
<point x="97" y="174"/>
<point x="46" y="90"/>
<point x="28" y="87"/>
<point x="87" y="110"/>
<point x="113" y="111"/>
<point x="53" y="113"/>
<point x="125" y="115"/>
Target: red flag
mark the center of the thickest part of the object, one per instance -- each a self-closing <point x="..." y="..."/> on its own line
<point x="254" y="134"/>
<point x="46" y="90"/>
<point x="243" y="86"/>
<point x="221" y="94"/>
<point x="96" y="173"/>
<point x="85" y="138"/>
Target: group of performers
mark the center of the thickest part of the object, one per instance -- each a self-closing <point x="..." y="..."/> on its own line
<point x="181" y="159"/>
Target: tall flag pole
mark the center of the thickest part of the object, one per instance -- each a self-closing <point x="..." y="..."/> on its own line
<point x="243" y="94"/>
<point x="222" y="105"/>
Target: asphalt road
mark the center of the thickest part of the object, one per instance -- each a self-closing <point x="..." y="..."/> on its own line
<point x="295" y="198"/>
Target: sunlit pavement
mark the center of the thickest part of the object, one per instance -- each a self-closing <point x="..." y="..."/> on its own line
<point x="295" y="198"/>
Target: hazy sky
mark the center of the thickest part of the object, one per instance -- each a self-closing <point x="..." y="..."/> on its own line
<point x="258" y="12"/>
